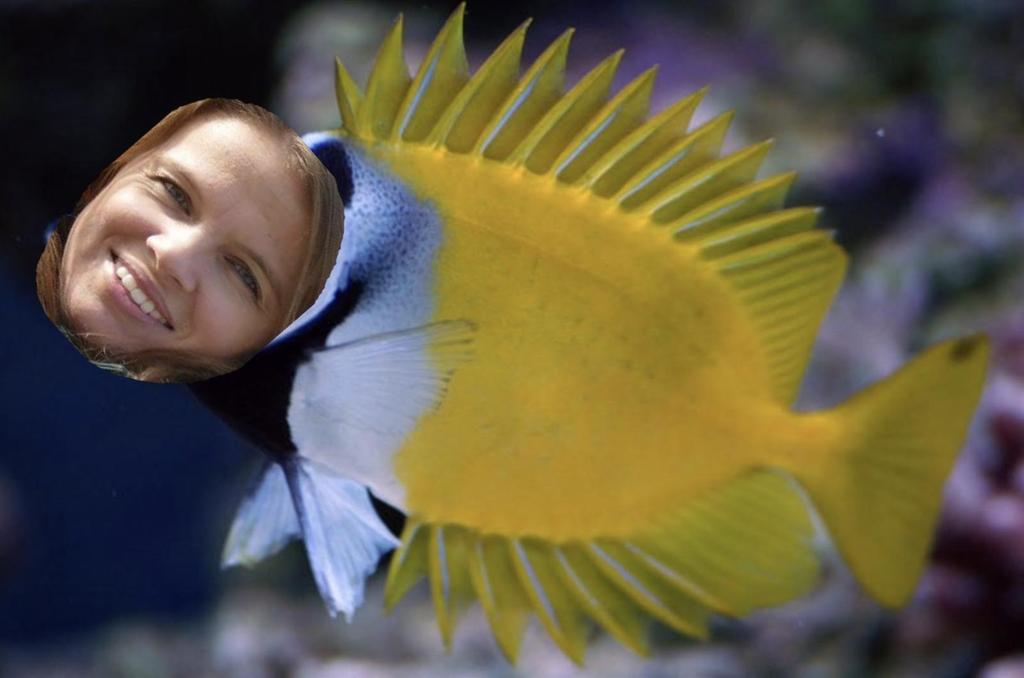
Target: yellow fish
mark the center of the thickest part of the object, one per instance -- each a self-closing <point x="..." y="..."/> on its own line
<point x="620" y="318"/>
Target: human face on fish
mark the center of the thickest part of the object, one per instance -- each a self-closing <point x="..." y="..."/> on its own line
<point x="191" y="248"/>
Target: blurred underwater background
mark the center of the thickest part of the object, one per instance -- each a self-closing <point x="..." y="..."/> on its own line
<point x="905" y="121"/>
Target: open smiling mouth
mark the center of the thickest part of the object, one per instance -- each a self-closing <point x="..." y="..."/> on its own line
<point x="136" y="294"/>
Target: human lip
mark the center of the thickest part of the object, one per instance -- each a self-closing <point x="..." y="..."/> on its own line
<point x="139" y="289"/>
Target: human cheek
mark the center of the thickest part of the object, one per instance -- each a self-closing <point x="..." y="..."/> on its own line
<point x="132" y="212"/>
<point x="225" y="327"/>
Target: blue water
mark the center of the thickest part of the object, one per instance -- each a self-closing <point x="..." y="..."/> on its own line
<point x="126" y="489"/>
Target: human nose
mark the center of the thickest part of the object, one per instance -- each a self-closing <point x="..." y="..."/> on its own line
<point x="177" y="252"/>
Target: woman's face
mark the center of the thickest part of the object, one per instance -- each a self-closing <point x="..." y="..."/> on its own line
<point x="195" y="246"/>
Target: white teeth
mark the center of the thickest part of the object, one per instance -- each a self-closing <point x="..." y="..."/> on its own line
<point x="137" y="295"/>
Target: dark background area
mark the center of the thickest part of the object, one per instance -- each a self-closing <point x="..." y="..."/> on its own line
<point x="117" y="493"/>
<point x="905" y="119"/>
<point x="118" y="485"/>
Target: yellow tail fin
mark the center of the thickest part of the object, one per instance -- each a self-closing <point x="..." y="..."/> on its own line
<point x="880" y="499"/>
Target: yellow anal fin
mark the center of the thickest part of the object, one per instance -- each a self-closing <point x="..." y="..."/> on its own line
<point x="535" y="93"/>
<point x="673" y="162"/>
<point x="651" y="593"/>
<point x="497" y="586"/>
<point x="628" y="156"/>
<point x="408" y="563"/>
<point x="461" y="124"/>
<point x="571" y="112"/>
<point x="742" y="546"/>
<point x="602" y="600"/>
<point x="558" y="610"/>
<point x="441" y="75"/>
<point x="386" y="87"/>
<point x="450" y="586"/>
<point x="621" y="115"/>
<point x="786" y="285"/>
<point x="705" y="183"/>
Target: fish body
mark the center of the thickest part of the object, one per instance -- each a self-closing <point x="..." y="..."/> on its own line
<point x="602" y="369"/>
<point x="564" y="339"/>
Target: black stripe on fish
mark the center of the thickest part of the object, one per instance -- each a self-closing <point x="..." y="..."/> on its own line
<point x="254" y="399"/>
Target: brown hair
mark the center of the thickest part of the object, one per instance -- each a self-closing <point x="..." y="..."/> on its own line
<point x="326" y="218"/>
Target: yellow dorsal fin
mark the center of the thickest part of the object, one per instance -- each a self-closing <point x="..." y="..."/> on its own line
<point x="755" y="198"/>
<point x="628" y="156"/>
<point x="785" y="273"/>
<point x="460" y="125"/>
<point x="621" y="115"/>
<point x="571" y="112"/>
<point x="347" y="93"/>
<point x="703" y="184"/>
<point x="385" y="88"/>
<point x="758" y="230"/>
<point x="444" y="70"/>
<point x="673" y="161"/>
<point x="536" y="92"/>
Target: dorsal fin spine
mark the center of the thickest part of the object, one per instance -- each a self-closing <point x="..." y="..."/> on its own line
<point x="622" y="161"/>
<point x="444" y="69"/>
<point x="675" y="161"/>
<point x="620" y="116"/>
<point x="461" y="123"/>
<point x="706" y="182"/>
<point x="386" y="86"/>
<point x="759" y="197"/>
<point x="770" y="278"/>
<point x="543" y="143"/>
<point x="348" y="96"/>
<point x="765" y="254"/>
<point x="759" y="230"/>
<point x="539" y="88"/>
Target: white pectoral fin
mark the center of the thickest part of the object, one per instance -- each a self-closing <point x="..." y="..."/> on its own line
<point x="384" y="382"/>
<point x="344" y="536"/>
<point x="355" y="401"/>
<point x="265" y="521"/>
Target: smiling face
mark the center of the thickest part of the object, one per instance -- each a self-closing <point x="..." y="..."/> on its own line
<point x="193" y="247"/>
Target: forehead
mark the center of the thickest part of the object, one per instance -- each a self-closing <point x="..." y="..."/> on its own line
<point x="230" y="151"/>
<point x="243" y="185"/>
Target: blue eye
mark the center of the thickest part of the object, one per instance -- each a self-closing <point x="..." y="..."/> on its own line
<point x="246" y="277"/>
<point x="177" y="194"/>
